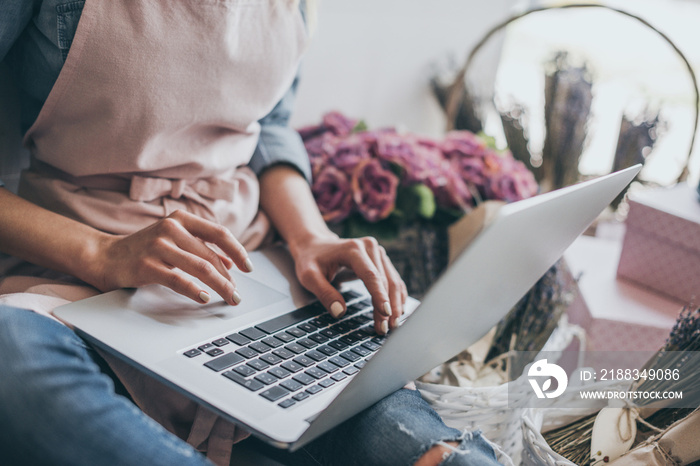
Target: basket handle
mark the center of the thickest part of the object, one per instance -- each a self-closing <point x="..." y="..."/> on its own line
<point x="456" y="92"/>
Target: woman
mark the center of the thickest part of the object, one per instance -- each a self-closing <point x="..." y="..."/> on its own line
<point x="160" y="144"/>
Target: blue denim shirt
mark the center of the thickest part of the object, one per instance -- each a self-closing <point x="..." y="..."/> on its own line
<point x="35" y="37"/>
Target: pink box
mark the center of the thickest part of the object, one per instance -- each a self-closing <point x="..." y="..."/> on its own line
<point x="616" y="314"/>
<point x="661" y="248"/>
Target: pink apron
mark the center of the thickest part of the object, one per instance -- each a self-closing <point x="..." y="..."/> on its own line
<point x="156" y="109"/>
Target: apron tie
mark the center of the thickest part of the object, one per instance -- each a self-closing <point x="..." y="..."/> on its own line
<point x="146" y="189"/>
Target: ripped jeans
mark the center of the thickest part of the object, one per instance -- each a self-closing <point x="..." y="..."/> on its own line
<point x="58" y="405"/>
<point x="397" y="430"/>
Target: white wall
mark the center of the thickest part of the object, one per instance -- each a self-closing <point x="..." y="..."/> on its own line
<point x="373" y="59"/>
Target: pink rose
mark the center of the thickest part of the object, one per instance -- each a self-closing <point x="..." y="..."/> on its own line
<point x="350" y="151"/>
<point x="449" y="188"/>
<point x="513" y="183"/>
<point x="374" y="190"/>
<point x="333" y="194"/>
<point x="416" y="159"/>
<point x="463" y="143"/>
<point x="338" y="124"/>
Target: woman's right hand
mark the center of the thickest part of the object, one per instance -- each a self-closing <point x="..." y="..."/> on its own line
<point x="178" y="241"/>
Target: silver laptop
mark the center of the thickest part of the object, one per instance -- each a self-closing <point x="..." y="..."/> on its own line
<point x="282" y="368"/>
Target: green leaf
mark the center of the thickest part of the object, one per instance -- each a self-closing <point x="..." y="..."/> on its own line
<point x="360" y="126"/>
<point x="415" y="201"/>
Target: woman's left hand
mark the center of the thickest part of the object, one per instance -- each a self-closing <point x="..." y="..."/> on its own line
<point x="319" y="260"/>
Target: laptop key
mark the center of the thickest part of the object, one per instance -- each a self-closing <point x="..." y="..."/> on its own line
<point x="349" y="295"/>
<point x="300" y="396"/>
<point x="205" y="347"/>
<point x="351" y="370"/>
<point x="272" y="342"/>
<point x="313" y="389"/>
<point x="283" y="353"/>
<point x="339" y="376"/>
<point x="295" y="348"/>
<point x="326" y="383"/>
<point x="307" y="343"/>
<point x="238" y="339"/>
<point x="304" y="379"/>
<point x="360" y="364"/>
<point x="291" y="385"/>
<point x="350" y="356"/>
<point x="292" y="366"/>
<point x="284" y="337"/>
<point x="220" y="342"/>
<point x="260" y="347"/>
<point x="271" y="359"/>
<point x="304" y="361"/>
<point x="338" y="361"/>
<point x="328" y="332"/>
<point x="279" y="372"/>
<point x="327" y="350"/>
<point x="361" y="351"/>
<point x="224" y="362"/>
<point x="287" y="403"/>
<point x="274" y="393"/>
<point x="296" y="333"/>
<point x="253" y="333"/>
<point x="215" y="352"/>
<point x="308" y="328"/>
<point x="339" y="345"/>
<point x="266" y="378"/>
<point x="251" y="384"/>
<point x="316" y="355"/>
<point x="291" y="318"/>
<point x="192" y="353"/>
<point x="371" y="346"/>
<point x="247" y="352"/>
<point x="245" y="370"/>
<point x="328" y="367"/>
<point x="258" y="364"/>
<point x="318" y="338"/>
<point x="316" y="373"/>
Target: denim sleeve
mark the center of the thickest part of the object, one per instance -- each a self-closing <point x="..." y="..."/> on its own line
<point x="278" y="142"/>
<point x="14" y="17"/>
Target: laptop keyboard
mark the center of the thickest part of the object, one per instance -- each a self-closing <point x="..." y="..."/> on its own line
<point x="297" y="355"/>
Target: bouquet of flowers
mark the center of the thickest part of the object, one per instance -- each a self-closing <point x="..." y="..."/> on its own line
<point x="373" y="181"/>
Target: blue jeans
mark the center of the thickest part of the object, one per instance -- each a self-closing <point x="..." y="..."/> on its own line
<point x="59" y="405"/>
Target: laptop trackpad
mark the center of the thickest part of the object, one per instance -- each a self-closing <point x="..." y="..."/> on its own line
<point x="166" y="306"/>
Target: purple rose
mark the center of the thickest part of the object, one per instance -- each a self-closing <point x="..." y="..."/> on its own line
<point x="513" y="183"/>
<point x="338" y="124"/>
<point x="449" y="188"/>
<point x="463" y="143"/>
<point x="417" y="159"/>
<point x="350" y="151"/>
<point x="374" y="190"/>
<point x="333" y="194"/>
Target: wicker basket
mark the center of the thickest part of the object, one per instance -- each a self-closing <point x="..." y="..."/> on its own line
<point x="490" y="409"/>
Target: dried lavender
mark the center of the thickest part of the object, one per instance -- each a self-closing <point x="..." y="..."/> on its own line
<point x="573" y="440"/>
<point x="528" y="326"/>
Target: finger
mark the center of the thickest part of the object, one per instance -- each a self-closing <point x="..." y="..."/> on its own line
<point x="316" y="282"/>
<point x="177" y="282"/>
<point x="358" y="260"/>
<point x="228" y="263"/>
<point x="203" y="270"/>
<point x="185" y="241"/>
<point x="394" y="289"/>
<point x="216" y="234"/>
<point x="377" y="255"/>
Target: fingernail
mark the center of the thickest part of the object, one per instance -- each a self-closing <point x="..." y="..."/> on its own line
<point x="384" y="327"/>
<point x="337" y="310"/>
<point x="249" y="264"/>
<point x="204" y="296"/>
<point x="236" y="297"/>
<point x="386" y="308"/>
